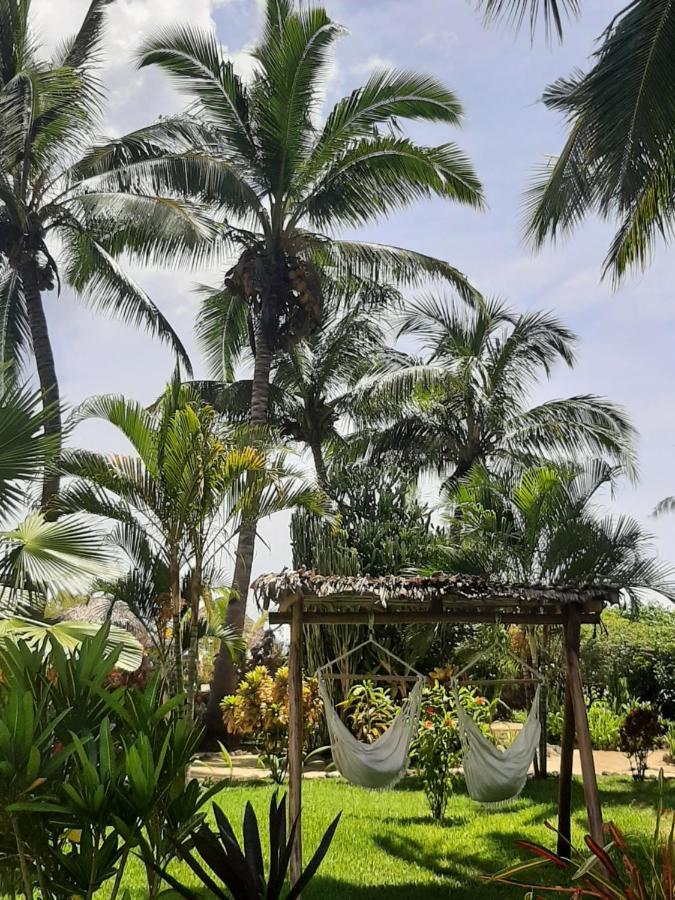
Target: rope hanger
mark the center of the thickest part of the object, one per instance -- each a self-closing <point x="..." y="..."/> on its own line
<point x="370" y="641"/>
<point x="536" y="675"/>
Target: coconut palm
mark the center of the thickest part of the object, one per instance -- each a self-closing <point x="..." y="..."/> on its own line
<point x="313" y="383"/>
<point x="466" y="402"/>
<point x="287" y="179"/>
<point x="179" y="497"/>
<point x="55" y="225"/>
<point x="618" y="158"/>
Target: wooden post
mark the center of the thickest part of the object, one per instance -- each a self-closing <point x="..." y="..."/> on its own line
<point x="572" y="643"/>
<point x="565" y="778"/>
<point x="295" y="735"/>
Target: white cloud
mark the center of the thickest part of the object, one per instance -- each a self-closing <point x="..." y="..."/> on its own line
<point x="438" y="39"/>
<point x="372" y="63"/>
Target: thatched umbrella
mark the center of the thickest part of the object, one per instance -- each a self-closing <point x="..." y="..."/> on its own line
<point x="100" y="610"/>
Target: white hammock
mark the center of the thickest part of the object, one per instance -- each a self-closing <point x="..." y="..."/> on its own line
<point x="381" y="764"/>
<point x="493" y="775"/>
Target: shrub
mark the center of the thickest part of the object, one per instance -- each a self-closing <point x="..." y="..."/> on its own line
<point x="241" y="869"/>
<point x="604" y="724"/>
<point x="437" y="749"/>
<point x="86" y="769"/>
<point x="670" y="743"/>
<point x="259" y="711"/>
<point x="635" y="654"/>
<point x="638" y="736"/>
<point x="368" y="710"/>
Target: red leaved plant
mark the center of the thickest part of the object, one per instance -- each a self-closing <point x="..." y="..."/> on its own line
<point x="610" y="872"/>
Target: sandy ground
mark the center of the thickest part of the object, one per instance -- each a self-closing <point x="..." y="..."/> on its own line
<point x="607" y="762"/>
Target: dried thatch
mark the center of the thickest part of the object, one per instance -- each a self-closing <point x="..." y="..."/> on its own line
<point x="103" y="609"/>
<point x="457" y="591"/>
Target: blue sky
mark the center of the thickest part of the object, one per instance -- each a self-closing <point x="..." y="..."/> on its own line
<point x="626" y="346"/>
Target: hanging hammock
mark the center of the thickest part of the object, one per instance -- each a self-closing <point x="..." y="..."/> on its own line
<point x="496" y="776"/>
<point x="381" y="764"/>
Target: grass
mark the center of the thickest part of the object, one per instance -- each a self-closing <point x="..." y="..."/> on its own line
<point x="388" y="847"/>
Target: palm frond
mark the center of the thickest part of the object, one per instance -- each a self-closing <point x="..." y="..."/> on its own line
<point x="69" y="637"/>
<point x="383" y="173"/>
<point x="194" y="59"/>
<point x="393" y="265"/>
<point x="549" y="12"/>
<point x="68" y="555"/>
<point x="223" y="330"/>
<point x="97" y="277"/>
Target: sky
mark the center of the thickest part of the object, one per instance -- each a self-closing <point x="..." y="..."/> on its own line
<point x="626" y="334"/>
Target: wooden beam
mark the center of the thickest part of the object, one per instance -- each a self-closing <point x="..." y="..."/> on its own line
<point x="565" y="778"/>
<point x="295" y="737"/>
<point x="407" y="617"/>
<point x="572" y="643"/>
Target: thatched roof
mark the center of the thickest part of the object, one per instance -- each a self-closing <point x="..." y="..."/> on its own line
<point x="439" y="591"/>
<point x="103" y="609"/>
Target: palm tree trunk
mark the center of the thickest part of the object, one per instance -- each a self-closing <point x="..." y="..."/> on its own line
<point x="46" y="370"/>
<point x="193" y="653"/>
<point x="320" y="466"/>
<point x="224" y="680"/>
<point x="174" y="576"/>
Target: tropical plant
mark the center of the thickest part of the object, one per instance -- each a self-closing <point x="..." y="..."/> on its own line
<point x="368" y="710"/>
<point x="241" y="870"/>
<point x="54" y="222"/>
<point x="638" y="736"/>
<point x="467" y="403"/>
<point x="258" y="710"/>
<point x="312" y="382"/>
<point x="617" y="160"/>
<point x="546" y="526"/>
<point x="604" y="724"/>
<point x="613" y="872"/>
<point x="38" y="557"/>
<point x="182" y="496"/>
<point x="107" y="767"/>
<point x="282" y="182"/>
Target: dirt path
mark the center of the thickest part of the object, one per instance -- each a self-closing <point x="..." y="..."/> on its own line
<point x="607" y="762"/>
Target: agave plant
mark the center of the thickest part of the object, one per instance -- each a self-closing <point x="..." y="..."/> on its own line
<point x="241" y="870"/>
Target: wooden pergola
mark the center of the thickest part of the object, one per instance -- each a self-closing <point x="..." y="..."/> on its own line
<point x="304" y="598"/>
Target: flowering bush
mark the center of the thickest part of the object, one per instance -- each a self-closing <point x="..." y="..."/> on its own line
<point x="437" y="749"/>
<point x="259" y="710"/>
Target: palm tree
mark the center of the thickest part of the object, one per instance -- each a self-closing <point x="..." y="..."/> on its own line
<point x="286" y="180"/>
<point x="618" y="158"/>
<point x="467" y="402"/>
<point x="38" y="558"/>
<point x="57" y="222"/>
<point x="179" y="497"/>
<point x="545" y="526"/>
<point x="313" y="383"/>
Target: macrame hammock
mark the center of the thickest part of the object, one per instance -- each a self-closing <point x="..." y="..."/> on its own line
<point x="381" y="764"/>
<point x="495" y="776"/>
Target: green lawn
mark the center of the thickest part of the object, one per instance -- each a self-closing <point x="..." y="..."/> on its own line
<point x="388" y="847"/>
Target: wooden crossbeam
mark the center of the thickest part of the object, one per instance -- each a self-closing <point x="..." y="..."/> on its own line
<point x="425" y="617"/>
